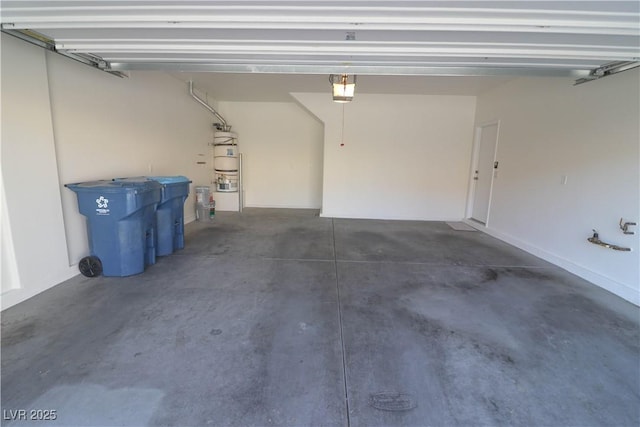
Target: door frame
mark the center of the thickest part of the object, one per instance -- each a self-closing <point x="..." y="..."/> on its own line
<point x="475" y="157"/>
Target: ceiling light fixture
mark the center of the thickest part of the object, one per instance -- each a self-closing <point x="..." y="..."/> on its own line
<point x="344" y="87"/>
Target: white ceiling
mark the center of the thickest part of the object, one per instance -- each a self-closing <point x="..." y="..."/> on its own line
<point x="293" y="45"/>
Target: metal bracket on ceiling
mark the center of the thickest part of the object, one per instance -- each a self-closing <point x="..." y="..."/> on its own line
<point x="45" y="42"/>
<point x="608" y="70"/>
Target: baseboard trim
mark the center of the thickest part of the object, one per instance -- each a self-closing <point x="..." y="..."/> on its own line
<point x="620" y="289"/>
<point x="388" y="218"/>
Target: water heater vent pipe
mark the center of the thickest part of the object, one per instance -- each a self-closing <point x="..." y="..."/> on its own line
<point x="225" y="126"/>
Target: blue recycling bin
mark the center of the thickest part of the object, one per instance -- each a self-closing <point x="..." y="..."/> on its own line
<point x="170" y="213"/>
<point x="121" y="224"/>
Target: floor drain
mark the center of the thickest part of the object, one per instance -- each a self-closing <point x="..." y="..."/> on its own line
<point x="392" y="401"/>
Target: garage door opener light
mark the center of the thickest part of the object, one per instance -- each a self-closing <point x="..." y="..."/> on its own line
<point x="344" y="87"/>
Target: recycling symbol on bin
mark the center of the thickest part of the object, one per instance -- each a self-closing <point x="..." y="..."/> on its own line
<point x="102" y="202"/>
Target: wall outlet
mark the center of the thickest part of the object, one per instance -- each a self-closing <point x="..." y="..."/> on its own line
<point x="564" y="179"/>
<point x="150" y="167"/>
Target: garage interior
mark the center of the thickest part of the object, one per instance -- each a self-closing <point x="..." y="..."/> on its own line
<point x="365" y="274"/>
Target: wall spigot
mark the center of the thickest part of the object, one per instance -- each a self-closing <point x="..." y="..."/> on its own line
<point x="595" y="239"/>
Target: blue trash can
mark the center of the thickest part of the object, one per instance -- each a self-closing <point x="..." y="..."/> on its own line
<point x="121" y="224"/>
<point x="170" y="213"/>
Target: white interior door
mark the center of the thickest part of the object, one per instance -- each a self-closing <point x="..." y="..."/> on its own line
<point x="483" y="172"/>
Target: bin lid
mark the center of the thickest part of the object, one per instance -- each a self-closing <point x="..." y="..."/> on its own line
<point x="110" y="186"/>
<point x="139" y="181"/>
<point x="178" y="179"/>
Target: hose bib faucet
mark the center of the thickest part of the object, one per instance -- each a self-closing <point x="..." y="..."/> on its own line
<point x="595" y="239"/>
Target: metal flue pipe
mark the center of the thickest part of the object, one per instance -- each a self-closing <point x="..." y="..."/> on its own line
<point x="223" y="122"/>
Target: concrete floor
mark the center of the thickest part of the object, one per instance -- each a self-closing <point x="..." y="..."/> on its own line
<point x="284" y="318"/>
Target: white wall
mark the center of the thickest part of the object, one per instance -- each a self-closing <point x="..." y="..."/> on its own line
<point x="107" y="127"/>
<point x="550" y="128"/>
<point x="405" y="156"/>
<point x="64" y="122"/>
<point x="34" y="250"/>
<point x="9" y="278"/>
<point x="281" y="145"/>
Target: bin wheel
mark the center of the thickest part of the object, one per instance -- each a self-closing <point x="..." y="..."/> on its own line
<point x="90" y="266"/>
